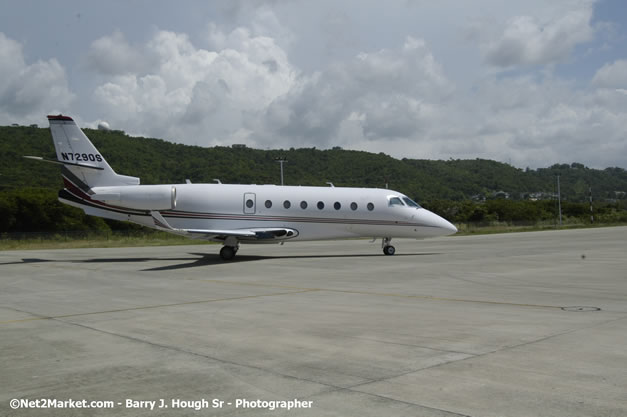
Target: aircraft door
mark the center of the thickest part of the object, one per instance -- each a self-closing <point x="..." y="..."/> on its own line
<point x="249" y="203"/>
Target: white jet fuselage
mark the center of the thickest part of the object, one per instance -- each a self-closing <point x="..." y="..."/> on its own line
<point x="314" y="212"/>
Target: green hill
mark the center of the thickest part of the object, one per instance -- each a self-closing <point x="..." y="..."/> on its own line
<point x="158" y="161"/>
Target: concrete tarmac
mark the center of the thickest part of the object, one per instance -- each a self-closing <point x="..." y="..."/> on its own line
<point x="527" y="324"/>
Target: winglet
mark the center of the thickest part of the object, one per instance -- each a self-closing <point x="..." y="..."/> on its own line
<point x="159" y="221"/>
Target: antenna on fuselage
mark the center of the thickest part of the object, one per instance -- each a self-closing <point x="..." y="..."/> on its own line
<point x="217" y="180"/>
<point x="331" y="184"/>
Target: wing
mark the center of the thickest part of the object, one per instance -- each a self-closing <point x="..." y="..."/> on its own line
<point x="255" y="234"/>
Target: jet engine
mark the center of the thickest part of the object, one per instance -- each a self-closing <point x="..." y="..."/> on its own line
<point x="139" y="197"/>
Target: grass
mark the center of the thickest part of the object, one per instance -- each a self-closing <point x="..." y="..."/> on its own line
<point x="73" y="240"/>
<point x="502" y="227"/>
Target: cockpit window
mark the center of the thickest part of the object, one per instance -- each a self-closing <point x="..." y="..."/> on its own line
<point x="395" y="201"/>
<point x="410" y="202"/>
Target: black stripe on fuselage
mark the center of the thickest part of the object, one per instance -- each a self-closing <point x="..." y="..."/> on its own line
<point x="293" y="219"/>
<point x="79" y="193"/>
<point x="68" y="195"/>
<point x="76" y="196"/>
<point x="74" y="179"/>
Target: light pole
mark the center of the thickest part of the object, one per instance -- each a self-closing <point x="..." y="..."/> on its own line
<point x="281" y="160"/>
<point x="591" y="212"/>
<point x="559" y="199"/>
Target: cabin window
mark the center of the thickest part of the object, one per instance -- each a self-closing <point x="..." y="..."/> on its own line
<point x="353" y="206"/>
<point x="410" y="202"/>
<point x="268" y="204"/>
<point x="370" y="206"/>
<point x="395" y="201"/>
<point x="287" y="204"/>
<point x="337" y="205"/>
<point x="320" y="205"/>
<point x="249" y="203"/>
<point x="303" y="205"/>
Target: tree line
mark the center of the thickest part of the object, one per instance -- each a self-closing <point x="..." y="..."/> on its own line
<point x="460" y="190"/>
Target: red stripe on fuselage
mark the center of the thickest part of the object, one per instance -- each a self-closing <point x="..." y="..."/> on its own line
<point x="72" y="188"/>
<point x="76" y="191"/>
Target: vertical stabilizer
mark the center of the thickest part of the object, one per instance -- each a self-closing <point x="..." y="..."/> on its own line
<point x="81" y="158"/>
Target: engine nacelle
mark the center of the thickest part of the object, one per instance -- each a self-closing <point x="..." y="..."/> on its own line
<point x="139" y="197"/>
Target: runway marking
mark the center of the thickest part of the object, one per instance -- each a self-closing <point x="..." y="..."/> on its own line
<point x="152" y="306"/>
<point x="382" y="294"/>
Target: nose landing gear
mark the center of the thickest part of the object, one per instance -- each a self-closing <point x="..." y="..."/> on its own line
<point x="388" y="249"/>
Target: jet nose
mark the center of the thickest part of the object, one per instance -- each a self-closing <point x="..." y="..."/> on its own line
<point x="443" y="226"/>
<point x="449" y="227"/>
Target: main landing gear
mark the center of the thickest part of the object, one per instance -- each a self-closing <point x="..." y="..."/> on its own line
<point x="388" y="249"/>
<point x="227" y="253"/>
<point x="230" y="248"/>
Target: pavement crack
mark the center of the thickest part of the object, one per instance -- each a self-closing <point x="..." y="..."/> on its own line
<point x="192" y="353"/>
<point x="409" y="345"/>
<point x="148" y="307"/>
<point x="330" y="387"/>
<point x="480" y="355"/>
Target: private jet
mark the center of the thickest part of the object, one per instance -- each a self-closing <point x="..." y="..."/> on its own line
<point x="232" y="214"/>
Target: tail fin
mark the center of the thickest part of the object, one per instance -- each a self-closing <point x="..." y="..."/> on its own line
<point x="80" y="158"/>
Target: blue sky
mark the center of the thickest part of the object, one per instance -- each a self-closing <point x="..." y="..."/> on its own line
<point x="532" y="83"/>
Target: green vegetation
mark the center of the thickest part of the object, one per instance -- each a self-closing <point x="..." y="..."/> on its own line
<point x="527" y="212"/>
<point x="91" y="239"/>
<point x="477" y="192"/>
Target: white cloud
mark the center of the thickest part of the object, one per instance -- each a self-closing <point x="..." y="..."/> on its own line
<point x="198" y="95"/>
<point x="612" y="75"/>
<point x="391" y="94"/>
<point x="540" y="122"/>
<point x="527" y="41"/>
<point x="11" y="61"/>
<point x="242" y="87"/>
<point x="395" y="77"/>
<point x="113" y="55"/>
<point x="29" y="91"/>
<point x="522" y="120"/>
<point x="394" y="100"/>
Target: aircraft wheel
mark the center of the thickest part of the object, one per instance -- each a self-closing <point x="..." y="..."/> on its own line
<point x="227" y="253"/>
<point x="389" y="250"/>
